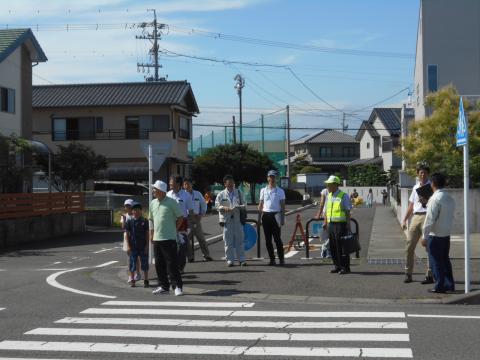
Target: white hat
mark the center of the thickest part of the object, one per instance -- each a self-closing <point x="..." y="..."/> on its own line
<point x="333" y="180"/>
<point x="160" y="185"/>
<point x="129" y="202"/>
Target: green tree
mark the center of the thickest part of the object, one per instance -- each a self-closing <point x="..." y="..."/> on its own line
<point x="239" y="160"/>
<point x="309" y="169"/>
<point x="298" y="164"/>
<point x="367" y="175"/>
<point x="12" y="173"/>
<point x="73" y="165"/>
<point x="433" y="139"/>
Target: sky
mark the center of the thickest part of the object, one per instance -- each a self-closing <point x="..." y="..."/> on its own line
<point x="329" y="57"/>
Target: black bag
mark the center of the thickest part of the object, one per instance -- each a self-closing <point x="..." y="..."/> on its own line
<point x="243" y="209"/>
<point x="350" y="243"/>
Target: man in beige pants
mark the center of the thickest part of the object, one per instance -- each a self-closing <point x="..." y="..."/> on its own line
<point x="416" y="207"/>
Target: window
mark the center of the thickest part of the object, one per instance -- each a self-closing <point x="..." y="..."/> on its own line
<point x="348" y="151"/>
<point x="368" y="145"/>
<point x="325" y="151"/>
<point x="432" y="72"/>
<point x="99" y="124"/>
<point x="7" y="100"/>
<point x="138" y="127"/>
<point x="73" y="128"/>
<point x="386" y="144"/>
<point x="184" y="128"/>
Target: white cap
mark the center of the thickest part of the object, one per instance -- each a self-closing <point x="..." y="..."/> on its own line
<point x="160" y="185"/>
<point x="129" y="202"/>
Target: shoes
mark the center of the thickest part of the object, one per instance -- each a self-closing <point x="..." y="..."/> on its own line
<point x="146" y="284"/>
<point x="159" y="291"/>
<point x="334" y="271"/>
<point x="344" y="271"/>
<point x="130" y="279"/>
<point x="229" y="263"/>
<point x="427" y="280"/>
<point x="207" y="258"/>
<point x="282" y="262"/>
<point x="435" y="291"/>
<point x="272" y="262"/>
<point x="178" y="291"/>
<point x="243" y="263"/>
<point x="191" y="260"/>
<point x="137" y="276"/>
<point x="408" y="279"/>
<point x="132" y="283"/>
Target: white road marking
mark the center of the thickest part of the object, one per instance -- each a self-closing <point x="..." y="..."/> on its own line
<point x="106" y="264"/>
<point x="2" y="309"/>
<point x="291" y="253"/>
<point x="206" y="350"/>
<point x="281" y="314"/>
<point x="52" y="269"/>
<point x="445" y="316"/>
<point x="216" y="335"/>
<point x="57" y="262"/>
<point x="214" y="238"/>
<point x="234" y="324"/>
<point x="104" y="250"/>
<point x="180" y="304"/>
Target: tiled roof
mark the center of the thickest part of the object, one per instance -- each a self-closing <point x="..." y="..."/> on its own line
<point x="10" y="39"/>
<point x="371" y="161"/>
<point x="390" y="118"/>
<point x="326" y="136"/>
<point x="115" y="94"/>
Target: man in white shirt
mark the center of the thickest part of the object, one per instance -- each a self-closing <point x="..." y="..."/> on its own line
<point x="436" y="234"/>
<point x="199" y="210"/>
<point x="186" y="205"/>
<point x="272" y="213"/>
<point x="417" y="207"/>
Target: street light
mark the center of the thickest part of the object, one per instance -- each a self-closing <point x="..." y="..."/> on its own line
<point x="239" y="85"/>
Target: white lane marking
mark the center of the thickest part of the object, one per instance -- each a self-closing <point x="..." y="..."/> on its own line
<point x="52" y="281"/>
<point x="180" y="304"/>
<point x="216" y="335"/>
<point x="57" y="262"/>
<point x="445" y="316"/>
<point x="291" y="253"/>
<point x="104" y="250"/>
<point x="292" y="314"/>
<point x="51" y="269"/>
<point x="234" y="324"/>
<point x="106" y="264"/>
<point x="214" y="237"/>
<point x="2" y="309"/>
<point x="206" y="349"/>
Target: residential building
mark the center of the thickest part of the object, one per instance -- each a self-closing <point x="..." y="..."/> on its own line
<point x="379" y="137"/>
<point x="119" y="121"/>
<point x="19" y="51"/>
<point x="331" y="150"/>
<point x="448" y="50"/>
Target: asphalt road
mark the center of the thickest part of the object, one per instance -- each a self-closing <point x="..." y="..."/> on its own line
<point x="61" y="301"/>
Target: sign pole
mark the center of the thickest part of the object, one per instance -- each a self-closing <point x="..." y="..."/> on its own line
<point x="150" y="197"/>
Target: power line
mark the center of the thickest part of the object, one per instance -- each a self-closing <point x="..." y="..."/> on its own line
<point x="293" y="127"/>
<point x="384" y="100"/>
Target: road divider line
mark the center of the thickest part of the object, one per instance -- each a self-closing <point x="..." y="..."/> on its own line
<point x="180" y="304"/>
<point x="93" y="347"/>
<point x="216" y="335"/>
<point x="233" y="324"/>
<point x="444" y="316"/>
<point x="218" y="313"/>
<point x="104" y="250"/>
<point x="106" y="264"/>
<point x="214" y="237"/>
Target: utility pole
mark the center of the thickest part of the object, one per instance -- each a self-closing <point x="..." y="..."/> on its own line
<point x="239" y="85"/>
<point x="344" y="127"/>
<point x="154" y="36"/>
<point x="288" y="143"/>
<point x="234" y="131"/>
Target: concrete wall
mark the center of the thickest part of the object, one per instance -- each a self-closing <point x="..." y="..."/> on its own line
<point x="14" y="232"/>
<point x="474" y="208"/>
<point x="10" y="77"/>
<point x="363" y="191"/>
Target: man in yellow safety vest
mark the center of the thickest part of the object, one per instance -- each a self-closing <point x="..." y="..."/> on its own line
<point x="338" y="223"/>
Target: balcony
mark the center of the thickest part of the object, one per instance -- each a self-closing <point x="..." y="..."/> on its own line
<point x="131" y="134"/>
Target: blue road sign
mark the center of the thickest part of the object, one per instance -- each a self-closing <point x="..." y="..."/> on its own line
<point x="250" y="236"/>
<point x="462" y="128"/>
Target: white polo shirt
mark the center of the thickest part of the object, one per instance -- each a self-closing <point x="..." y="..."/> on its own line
<point x="199" y="204"/>
<point x="183" y="199"/>
<point x="417" y="205"/>
<point x="271" y="198"/>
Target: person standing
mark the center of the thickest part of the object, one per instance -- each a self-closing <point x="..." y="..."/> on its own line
<point x="137" y="235"/>
<point x="437" y="229"/>
<point x="272" y="213"/>
<point x="323" y="199"/>
<point x="337" y="223"/>
<point x="417" y="209"/>
<point x="228" y="203"/>
<point x="370" y="198"/>
<point x="196" y="230"/>
<point x="165" y="218"/>
<point x="186" y="204"/>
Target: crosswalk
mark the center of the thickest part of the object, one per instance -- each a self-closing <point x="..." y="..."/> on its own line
<point x="227" y="329"/>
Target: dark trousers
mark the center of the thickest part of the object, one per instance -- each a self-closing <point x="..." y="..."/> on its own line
<point x="182" y="250"/>
<point x="438" y="250"/>
<point x="271" y="229"/>
<point x="335" y="231"/>
<point x="166" y="263"/>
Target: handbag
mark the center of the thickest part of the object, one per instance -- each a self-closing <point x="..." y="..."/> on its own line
<point x="243" y="209"/>
<point x="350" y="243"/>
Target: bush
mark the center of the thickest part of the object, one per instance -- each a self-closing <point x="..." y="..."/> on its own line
<point x="292" y="195"/>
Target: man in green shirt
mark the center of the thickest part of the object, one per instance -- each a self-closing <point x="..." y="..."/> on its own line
<point x="165" y="218"/>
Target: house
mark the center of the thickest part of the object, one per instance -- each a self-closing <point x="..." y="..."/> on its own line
<point x="19" y="51"/>
<point x="379" y="137"/>
<point x="448" y="52"/>
<point x="119" y="121"/>
<point x="331" y="150"/>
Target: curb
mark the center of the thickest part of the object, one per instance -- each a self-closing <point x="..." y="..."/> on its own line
<point x="472" y="298"/>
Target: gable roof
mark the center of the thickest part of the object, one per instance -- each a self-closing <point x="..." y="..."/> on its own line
<point x="115" y="94"/>
<point x="366" y="126"/>
<point x="390" y="117"/>
<point x="11" y="39"/>
<point x="326" y="136"/>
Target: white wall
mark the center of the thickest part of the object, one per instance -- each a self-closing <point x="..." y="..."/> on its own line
<point x="10" y="77"/>
<point x="363" y="191"/>
<point x="367" y="153"/>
